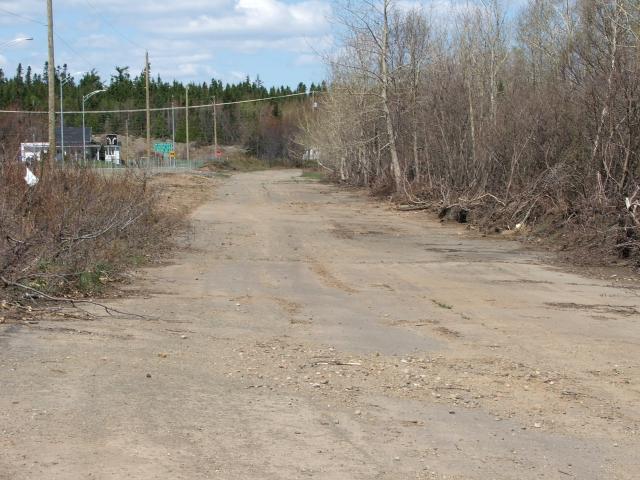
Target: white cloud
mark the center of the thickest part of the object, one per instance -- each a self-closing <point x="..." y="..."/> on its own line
<point x="188" y="39"/>
<point x="308" y="59"/>
<point x="152" y="8"/>
<point x="251" y="19"/>
<point x="238" y="75"/>
<point x="99" y="40"/>
<point x="185" y="38"/>
<point x="191" y="34"/>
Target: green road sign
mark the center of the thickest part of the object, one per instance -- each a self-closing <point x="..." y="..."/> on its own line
<point x="164" y="148"/>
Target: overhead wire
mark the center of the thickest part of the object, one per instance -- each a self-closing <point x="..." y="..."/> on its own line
<point x="24" y="17"/>
<point x="164" y="109"/>
<point x="57" y="35"/>
<point x="116" y="30"/>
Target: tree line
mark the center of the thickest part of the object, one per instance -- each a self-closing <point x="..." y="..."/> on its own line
<point x="264" y="128"/>
<point x="520" y="118"/>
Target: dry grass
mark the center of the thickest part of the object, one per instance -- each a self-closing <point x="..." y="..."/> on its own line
<point x="239" y="160"/>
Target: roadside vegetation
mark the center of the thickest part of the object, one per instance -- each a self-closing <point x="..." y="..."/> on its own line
<point x="77" y="231"/>
<point x="523" y="121"/>
<point x="236" y="159"/>
<point x="311" y="174"/>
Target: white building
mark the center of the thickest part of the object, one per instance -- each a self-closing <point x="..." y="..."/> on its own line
<point x="34" y="151"/>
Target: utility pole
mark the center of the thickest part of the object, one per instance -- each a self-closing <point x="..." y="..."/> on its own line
<point x="125" y="156"/>
<point x="173" y="133"/>
<point x="215" y="131"/>
<point x="148" y="107"/>
<point x="173" y="124"/>
<point x="61" y="123"/>
<point x="187" y="123"/>
<point x="52" y="93"/>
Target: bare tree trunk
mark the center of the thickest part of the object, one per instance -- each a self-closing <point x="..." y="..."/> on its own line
<point x="48" y="161"/>
<point x="613" y="51"/>
<point x="472" y="123"/>
<point x="414" y="114"/>
<point x="384" y="63"/>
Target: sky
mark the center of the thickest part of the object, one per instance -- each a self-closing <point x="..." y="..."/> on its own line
<point x="187" y="40"/>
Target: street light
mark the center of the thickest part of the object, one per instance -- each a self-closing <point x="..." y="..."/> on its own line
<point x="16" y="40"/>
<point x="84" y="141"/>
<point x="62" y="84"/>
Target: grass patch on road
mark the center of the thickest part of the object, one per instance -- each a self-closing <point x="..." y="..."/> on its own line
<point x="442" y="305"/>
<point x="313" y="175"/>
<point x="236" y="161"/>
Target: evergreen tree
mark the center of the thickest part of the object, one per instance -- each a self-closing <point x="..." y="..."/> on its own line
<point x="19" y="79"/>
<point x="260" y="127"/>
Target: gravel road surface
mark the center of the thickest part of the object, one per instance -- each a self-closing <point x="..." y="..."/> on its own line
<point x="303" y="331"/>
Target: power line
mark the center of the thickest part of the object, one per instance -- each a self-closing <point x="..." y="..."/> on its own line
<point x="24" y="17"/>
<point x="164" y="109"/>
<point x="73" y="50"/>
<point x="256" y="100"/>
<point x="57" y="35"/>
<point x="113" y="27"/>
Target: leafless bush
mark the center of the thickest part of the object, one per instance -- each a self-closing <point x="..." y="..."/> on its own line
<point x="522" y="120"/>
<point x="77" y="229"/>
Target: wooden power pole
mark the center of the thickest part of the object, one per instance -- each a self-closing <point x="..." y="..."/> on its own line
<point x="215" y="131"/>
<point x="186" y="112"/>
<point x="146" y="68"/>
<point x="51" y="74"/>
<point x="125" y="156"/>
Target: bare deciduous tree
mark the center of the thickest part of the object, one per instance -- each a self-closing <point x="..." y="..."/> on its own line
<point x="520" y="117"/>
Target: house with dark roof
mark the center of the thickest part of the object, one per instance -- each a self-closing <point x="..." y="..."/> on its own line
<point x="73" y="146"/>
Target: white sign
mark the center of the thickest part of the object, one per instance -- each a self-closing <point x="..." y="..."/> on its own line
<point x="33" y="151"/>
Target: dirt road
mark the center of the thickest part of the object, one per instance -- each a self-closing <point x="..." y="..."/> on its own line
<point x="309" y="332"/>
